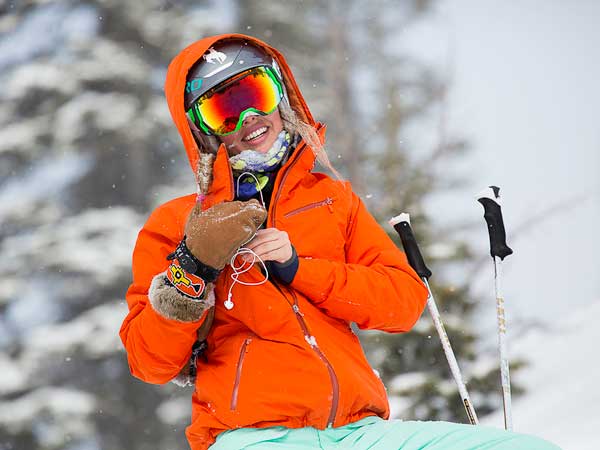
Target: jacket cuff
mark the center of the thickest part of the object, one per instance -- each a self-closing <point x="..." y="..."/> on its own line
<point x="170" y="303"/>
<point x="286" y="271"/>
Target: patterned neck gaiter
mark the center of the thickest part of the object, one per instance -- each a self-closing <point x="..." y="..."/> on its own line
<point x="262" y="165"/>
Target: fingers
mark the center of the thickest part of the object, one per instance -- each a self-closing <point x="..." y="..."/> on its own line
<point x="267" y="247"/>
<point x="270" y="244"/>
<point x="281" y="255"/>
<point x="267" y="235"/>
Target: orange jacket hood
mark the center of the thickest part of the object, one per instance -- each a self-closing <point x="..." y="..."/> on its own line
<point x="176" y="79"/>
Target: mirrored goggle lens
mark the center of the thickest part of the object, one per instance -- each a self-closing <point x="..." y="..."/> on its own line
<point x="257" y="90"/>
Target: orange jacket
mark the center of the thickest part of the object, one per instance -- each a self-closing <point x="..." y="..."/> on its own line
<point x="284" y="355"/>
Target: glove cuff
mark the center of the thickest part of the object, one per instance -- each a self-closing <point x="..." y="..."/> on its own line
<point x="193" y="265"/>
<point x="171" y="303"/>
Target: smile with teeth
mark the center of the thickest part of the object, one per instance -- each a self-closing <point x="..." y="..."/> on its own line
<point x="256" y="134"/>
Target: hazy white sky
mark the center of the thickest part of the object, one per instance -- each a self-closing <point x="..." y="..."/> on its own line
<point x="526" y="94"/>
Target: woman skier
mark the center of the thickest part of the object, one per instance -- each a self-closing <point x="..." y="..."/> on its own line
<point x="247" y="288"/>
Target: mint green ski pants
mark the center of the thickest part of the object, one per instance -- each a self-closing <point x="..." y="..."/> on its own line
<point x="374" y="433"/>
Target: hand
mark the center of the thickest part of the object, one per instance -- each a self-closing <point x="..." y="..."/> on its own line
<point x="270" y="244"/>
<point x="213" y="236"/>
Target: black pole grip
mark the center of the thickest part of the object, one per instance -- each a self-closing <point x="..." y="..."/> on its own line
<point x="490" y="199"/>
<point x="402" y="225"/>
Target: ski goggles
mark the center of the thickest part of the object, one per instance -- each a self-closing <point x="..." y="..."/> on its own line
<point x="222" y="110"/>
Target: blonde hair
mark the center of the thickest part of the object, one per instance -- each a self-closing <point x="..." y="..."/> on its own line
<point x="295" y="126"/>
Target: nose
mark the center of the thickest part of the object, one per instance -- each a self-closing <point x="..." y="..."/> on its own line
<point x="250" y="118"/>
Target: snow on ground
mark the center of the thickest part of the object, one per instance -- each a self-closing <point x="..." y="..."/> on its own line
<point x="562" y="382"/>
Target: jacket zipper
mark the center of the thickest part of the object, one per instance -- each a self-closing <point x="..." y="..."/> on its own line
<point x="283" y="178"/>
<point x="238" y="374"/>
<point x="299" y="316"/>
<point x="298" y="153"/>
<point x="328" y="201"/>
<point x="310" y="339"/>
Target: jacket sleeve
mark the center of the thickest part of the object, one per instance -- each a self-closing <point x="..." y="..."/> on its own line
<point x="375" y="287"/>
<point x="161" y="327"/>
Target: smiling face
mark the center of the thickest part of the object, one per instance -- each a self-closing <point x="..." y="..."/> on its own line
<point x="257" y="133"/>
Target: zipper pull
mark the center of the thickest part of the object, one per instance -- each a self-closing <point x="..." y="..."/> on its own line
<point x="312" y="341"/>
<point x="296" y="309"/>
<point x="329" y="203"/>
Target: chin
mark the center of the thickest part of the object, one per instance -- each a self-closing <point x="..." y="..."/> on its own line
<point x="262" y="149"/>
<point x="265" y="146"/>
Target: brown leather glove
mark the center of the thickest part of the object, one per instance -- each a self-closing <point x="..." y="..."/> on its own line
<point x="213" y="236"/>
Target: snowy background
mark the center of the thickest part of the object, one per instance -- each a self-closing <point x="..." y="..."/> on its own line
<point x="87" y="149"/>
<point x="525" y="91"/>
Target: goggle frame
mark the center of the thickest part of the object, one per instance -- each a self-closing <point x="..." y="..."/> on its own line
<point x="196" y="116"/>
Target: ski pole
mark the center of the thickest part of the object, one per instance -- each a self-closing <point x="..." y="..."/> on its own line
<point x="490" y="199"/>
<point x="401" y="224"/>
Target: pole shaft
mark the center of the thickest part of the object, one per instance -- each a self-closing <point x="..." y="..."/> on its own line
<point x="452" y="362"/>
<point x="401" y="224"/>
<point x="490" y="199"/>
<point x="502" y="347"/>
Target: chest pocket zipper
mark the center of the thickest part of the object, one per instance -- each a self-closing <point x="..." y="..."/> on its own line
<point x="238" y="373"/>
<point x="326" y="202"/>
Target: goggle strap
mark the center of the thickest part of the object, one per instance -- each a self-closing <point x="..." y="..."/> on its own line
<point x="195" y="130"/>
